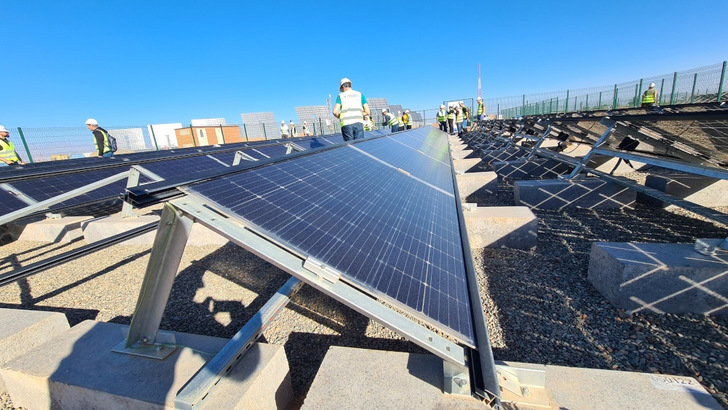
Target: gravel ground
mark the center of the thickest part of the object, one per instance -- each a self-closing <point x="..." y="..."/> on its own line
<point x="539" y="305"/>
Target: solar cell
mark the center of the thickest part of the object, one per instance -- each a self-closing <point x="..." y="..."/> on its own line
<point x="9" y="202"/>
<point x="390" y="232"/>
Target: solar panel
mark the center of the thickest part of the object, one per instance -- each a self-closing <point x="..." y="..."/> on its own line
<point x="261" y="125"/>
<point x="387" y="230"/>
<point x="9" y="202"/>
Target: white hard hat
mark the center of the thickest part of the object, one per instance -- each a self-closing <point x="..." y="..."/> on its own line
<point x="91" y="121"/>
<point x="480" y="98"/>
<point x="2" y="129"/>
<point x="384" y="110"/>
<point x="344" y="81"/>
<point x="305" y="122"/>
<point x="461" y="103"/>
<point x="283" y="122"/>
<point x="406" y="110"/>
<point x="442" y="105"/>
<point x="399" y="112"/>
<point x="652" y="85"/>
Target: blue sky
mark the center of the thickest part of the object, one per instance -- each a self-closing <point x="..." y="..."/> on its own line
<point x="142" y="62"/>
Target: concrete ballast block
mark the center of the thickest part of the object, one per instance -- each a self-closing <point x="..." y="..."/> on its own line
<point x="465" y="165"/>
<point x="694" y="188"/>
<point x="62" y="230"/>
<point x="22" y="330"/>
<point x="78" y="369"/>
<point x="502" y="227"/>
<point x="480" y="182"/>
<point x="591" y="193"/>
<point x="659" y="277"/>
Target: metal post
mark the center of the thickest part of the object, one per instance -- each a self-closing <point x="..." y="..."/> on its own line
<point x="634" y="101"/>
<point x="638" y="94"/>
<point x="587" y="102"/>
<point x="551" y="106"/>
<point x="192" y="130"/>
<point x="127" y="211"/>
<point x="245" y="130"/>
<point x="222" y="134"/>
<point x="692" y="94"/>
<point x="169" y="244"/>
<point x="615" y="101"/>
<point x="154" y="137"/>
<point x="662" y="85"/>
<point x="600" y="101"/>
<point x="585" y="159"/>
<point x="498" y="113"/>
<point x="30" y="159"/>
<point x="720" y="86"/>
<point x="265" y="134"/>
<point x="566" y="109"/>
<point x="557" y="105"/>
<point x="674" y="83"/>
<point x="523" y="105"/>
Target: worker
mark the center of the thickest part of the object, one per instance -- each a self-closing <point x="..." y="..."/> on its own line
<point x="101" y="139"/>
<point x="442" y="118"/>
<point x="291" y="129"/>
<point x="451" y="119"/>
<point x="399" y="120"/>
<point x="466" y="116"/>
<point x="8" y="155"/>
<point x="390" y="119"/>
<point x="367" y="123"/>
<point x="407" y="120"/>
<point x="459" y="120"/>
<point x="481" y="109"/>
<point x="284" y="129"/>
<point x="306" y="132"/>
<point x="649" y="97"/>
<point x="351" y="107"/>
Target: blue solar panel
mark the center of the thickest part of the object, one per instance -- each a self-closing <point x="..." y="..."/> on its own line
<point x="393" y="234"/>
<point x="9" y="202"/>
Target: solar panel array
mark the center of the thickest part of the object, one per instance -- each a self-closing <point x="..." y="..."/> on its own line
<point x="376" y="104"/>
<point x="261" y="125"/>
<point x="382" y="212"/>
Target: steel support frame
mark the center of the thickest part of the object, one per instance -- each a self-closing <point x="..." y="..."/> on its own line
<point x="540" y="140"/>
<point x="585" y="160"/>
<point x="127" y="209"/>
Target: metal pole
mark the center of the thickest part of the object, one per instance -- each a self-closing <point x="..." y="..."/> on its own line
<point x="614" y="101"/>
<point x="634" y="101"/>
<point x="720" y="86"/>
<point x="557" y="105"/>
<point x="587" y="103"/>
<point x="30" y="159"/>
<point x="674" y="83"/>
<point x="265" y="134"/>
<point x="566" y="109"/>
<point x="192" y="130"/>
<point x="551" y="106"/>
<point x="523" y="105"/>
<point x="600" y="101"/>
<point x="662" y="85"/>
<point x="222" y="134"/>
<point x="245" y="130"/>
<point x="154" y="138"/>
<point x="692" y="94"/>
<point x="638" y="94"/>
<point x="498" y="113"/>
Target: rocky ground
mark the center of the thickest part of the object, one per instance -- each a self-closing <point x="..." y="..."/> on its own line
<point x="539" y="304"/>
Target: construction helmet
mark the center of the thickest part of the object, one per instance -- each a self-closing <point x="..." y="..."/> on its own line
<point x="442" y="105"/>
<point x="480" y="98"/>
<point x="283" y="122"/>
<point x="91" y="121"/>
<point x="344" y="81"/>
<point x="2" y="129"/>
<point x="384" y="110"/>
<point x="652" y="85"/>
<point x="406" y="111"/>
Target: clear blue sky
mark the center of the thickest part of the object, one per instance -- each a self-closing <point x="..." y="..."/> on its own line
<point x="142" y="62"/>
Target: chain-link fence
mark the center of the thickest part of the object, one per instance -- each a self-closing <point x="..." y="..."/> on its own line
<point x="700" y="85"/>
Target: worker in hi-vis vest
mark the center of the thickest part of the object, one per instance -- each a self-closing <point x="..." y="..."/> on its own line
<point x="390" y="119"/>
<point x="649" y="97"/>
<point x="101" y="139"/>
<point x="407" y="120"/>
<point x="481" y="109"/>
<point x="351" y="107"/>
<point x="442" y="118"/>
<point x="451" y="119"/>
<point x="8" y="155"/>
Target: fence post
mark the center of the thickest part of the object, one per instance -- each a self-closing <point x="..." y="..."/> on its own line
<point x="523" y="106"/>
<point x="674" y="83"/>
<point x="614" y="102"/>
<point x="498" y="112"/>
<point x="599" y="107"/>
<point x="662" y="85"/>
<point x="193" y="135"/>
<point x="265" y="134"/>
<point x="722" y="78"/>
<point x="557" y="105"/>
<point x="566" y="108"/>
<point x="638" y="94"/>
<point x="692" y="94"/>
<point x="222" y="134"/>
<point x="154" y="137"/>
<point x="27" y="151"/>
<point x="245" y="130"/>
<point x="634" y="101"/>
<point x="551" y="106"/>
<point x="587" y="102"/>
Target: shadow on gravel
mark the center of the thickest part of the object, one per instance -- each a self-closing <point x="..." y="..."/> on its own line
<point x="550" y="313"/>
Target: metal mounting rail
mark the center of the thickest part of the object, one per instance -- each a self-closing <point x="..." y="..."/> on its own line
<point x="37" y="267"/>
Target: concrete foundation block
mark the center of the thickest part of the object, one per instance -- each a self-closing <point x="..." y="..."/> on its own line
<point x="23" y="330"/>
<point x="502" y="227"/>
<point x="709" y="192"/>
<point x="466" y="165"/>
<point x="462" y="153"/>
<point x="659" y="277"/>
<point x="591" y="193"/>
<point x="78" y="370"/>
<point x="61" y="230"/>
<point x="103" y="228"/>
<point x="535" y="168"/>
<point x="480" y="182"/>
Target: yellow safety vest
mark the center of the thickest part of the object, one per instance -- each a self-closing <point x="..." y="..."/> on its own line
<point x="406" y="119"/>
<point x="459" y="116"/>
<point x="451" y="115"/>
<point x="352" y="110"/>
<point x="107" y="146"/>
<point x="441" y="115"/>
<point x="8" y="151"/>
<point x="392" y="119"/>
<point x="481" y="108"/>
<point x="649" y="96"/>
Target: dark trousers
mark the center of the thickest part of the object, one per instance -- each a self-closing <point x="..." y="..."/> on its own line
<point x="450" y="125"/>
<point x="443" y="126"/>
<point x="352" y="131"/>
